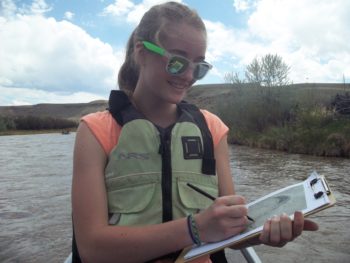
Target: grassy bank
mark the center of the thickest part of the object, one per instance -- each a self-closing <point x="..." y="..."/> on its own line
<point x="30" y="132"/>
<point x="29" y="124"/>
<point x="296" y="119"/>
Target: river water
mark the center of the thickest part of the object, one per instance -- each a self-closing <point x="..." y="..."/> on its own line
<point x="35" y="184"/>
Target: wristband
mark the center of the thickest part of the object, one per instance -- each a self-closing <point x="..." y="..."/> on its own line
<point x="193" y="230"/>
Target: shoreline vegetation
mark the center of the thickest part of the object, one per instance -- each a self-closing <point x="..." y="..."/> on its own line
<point x="32" y="132"/>
<point x="25" y="125"/>
<point x="309" y="118"/>
<point x="295" y="119"/>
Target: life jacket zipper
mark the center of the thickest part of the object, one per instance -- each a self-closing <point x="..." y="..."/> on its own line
<point x="165" y="151"/>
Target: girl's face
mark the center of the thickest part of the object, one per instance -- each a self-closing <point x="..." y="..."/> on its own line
<point x="181" y="39"/>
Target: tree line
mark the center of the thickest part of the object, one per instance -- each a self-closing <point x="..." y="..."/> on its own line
<point x="34" y="123"/>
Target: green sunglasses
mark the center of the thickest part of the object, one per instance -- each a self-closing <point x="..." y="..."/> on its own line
<point x="178" y="64"/>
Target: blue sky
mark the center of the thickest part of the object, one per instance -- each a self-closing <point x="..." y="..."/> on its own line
<point x="65" y="51"/>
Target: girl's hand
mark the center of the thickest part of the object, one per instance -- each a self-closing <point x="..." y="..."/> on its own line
<point x="226" y="217"/>
<point x="279" y="230"/>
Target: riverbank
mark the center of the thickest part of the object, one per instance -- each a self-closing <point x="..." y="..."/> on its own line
<point x="31" y="132"/>
<point x="295" y="119"/>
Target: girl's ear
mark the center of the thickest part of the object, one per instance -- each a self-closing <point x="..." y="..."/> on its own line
<point x="139" y="54"/>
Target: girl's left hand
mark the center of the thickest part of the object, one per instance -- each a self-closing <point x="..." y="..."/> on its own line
<point x="279" y="230"/>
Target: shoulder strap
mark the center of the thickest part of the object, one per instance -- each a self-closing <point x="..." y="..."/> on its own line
<point x="208" y="163"/>
<point x="121" y="108"/>
<point x="118" y="101"/>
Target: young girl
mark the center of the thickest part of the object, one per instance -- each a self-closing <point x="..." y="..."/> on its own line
<point x="132" y="163"/>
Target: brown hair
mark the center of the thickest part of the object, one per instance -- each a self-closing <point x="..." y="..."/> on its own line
<point x="151" y="28"/>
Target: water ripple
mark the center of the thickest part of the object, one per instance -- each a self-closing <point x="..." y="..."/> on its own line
<point x="35" y="212"/>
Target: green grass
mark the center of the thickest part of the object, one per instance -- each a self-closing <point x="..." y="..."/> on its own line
<point x="296" y="119"/>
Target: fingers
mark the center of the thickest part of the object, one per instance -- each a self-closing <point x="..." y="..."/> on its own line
<point x="239" y="222"/>
<point x="298" y="224"/>
<point x="231" y="206"/>
<point x="310" y="225"/>
<point x="286" y="229"/>
<point x="224" y="218"/>
<point x="277" y="231"/>
<point x="301" y="224"/>
<point x="230" y="200"/>
<point x="265" y="234"/>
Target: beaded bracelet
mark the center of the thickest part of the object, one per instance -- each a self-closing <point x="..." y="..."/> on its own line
<point x="193" y="230"/>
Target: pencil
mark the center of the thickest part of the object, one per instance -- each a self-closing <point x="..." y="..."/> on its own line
<point x="209" y="196"/>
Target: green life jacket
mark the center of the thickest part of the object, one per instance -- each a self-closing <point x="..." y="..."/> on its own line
<point x="148" y="170"/>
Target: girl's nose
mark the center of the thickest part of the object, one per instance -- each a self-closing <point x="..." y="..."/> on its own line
<point x="188" y="74"/>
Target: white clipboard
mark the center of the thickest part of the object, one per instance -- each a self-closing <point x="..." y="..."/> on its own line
<point x="309" y="197"/>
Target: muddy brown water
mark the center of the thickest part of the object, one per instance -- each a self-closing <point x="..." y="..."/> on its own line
<point x="35" y="210"/>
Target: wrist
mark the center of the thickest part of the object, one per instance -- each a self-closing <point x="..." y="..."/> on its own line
<point x="193" y="230"/>
<point x="201" y="226"/>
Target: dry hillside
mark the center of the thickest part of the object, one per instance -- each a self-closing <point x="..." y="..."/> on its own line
<point x="204" y="96"/>
<point x="71" y="111"/>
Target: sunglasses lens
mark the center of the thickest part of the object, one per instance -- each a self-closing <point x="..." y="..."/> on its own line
<point x="177" y="65"/>
<point x="200" y="70"/>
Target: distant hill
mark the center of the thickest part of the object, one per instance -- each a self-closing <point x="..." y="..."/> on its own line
<point x="71" y="111"/>
<point x="74" y="111"/>
<point x="204" y="96"/>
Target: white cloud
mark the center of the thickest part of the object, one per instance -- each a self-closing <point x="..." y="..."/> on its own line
<point x="10" y="97"/>
<point x="8" y="8"/>
<point x="40" y="7"/>
<point x="68" y="15"/>
<point x="313" y="34"/>
<point x="37" y="7"/>
<point x="119" y="8"/>
<point x="129" y="11"/>
<point x="229" y="49"/>
<point x="43" y="53"/>
<point x="243" y="5"/>
<point x="44" y="60"/>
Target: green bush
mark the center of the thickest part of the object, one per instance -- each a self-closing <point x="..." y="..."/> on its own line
<point x="34" y="123"/>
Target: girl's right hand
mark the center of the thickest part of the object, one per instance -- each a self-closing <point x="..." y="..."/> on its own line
<point x="226" y="217"/>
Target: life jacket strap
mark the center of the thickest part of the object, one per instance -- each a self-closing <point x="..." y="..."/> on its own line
<point x="208" y="160"/>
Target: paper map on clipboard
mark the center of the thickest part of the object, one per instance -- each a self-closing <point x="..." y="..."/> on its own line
<point x="309" y="196"/>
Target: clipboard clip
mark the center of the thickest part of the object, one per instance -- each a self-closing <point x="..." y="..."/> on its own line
<point x="324" y="184"/>
<point x="313" y="181"/>
<point x="318" y="194"/>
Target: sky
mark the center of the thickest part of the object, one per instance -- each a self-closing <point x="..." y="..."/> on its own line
<point x="66" y="51"/>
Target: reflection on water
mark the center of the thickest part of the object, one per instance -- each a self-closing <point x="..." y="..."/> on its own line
<point x="35" y="178"/>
